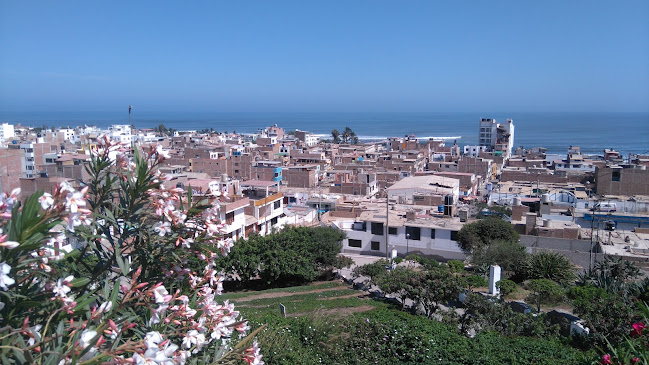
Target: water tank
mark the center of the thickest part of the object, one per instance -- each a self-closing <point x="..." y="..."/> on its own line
<point x="440" y="208"/>
<point x="545" y="198"/>
<point x="224" y="177"/>
<point x="517" y="201"/>
<point x="546" y="223"/>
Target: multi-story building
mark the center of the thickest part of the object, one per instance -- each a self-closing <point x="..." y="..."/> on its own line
<point x="266" y="205"/>
<point x="121" y="133"/>
<point x="308" y="139"/>
<point x="499" y="138"/>
<point x="27" y="164"/>
<point x="6" y="131"/>
<point x="367" y="234"/>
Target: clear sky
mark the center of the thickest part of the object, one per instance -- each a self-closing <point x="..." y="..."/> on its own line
<point x="325" y="55"/>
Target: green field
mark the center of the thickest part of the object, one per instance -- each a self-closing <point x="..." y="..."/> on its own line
<point x="329" y="323"/>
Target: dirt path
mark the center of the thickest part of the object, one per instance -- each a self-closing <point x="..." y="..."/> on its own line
<point x="335" y="311"/>
<point x="285" y="294"/>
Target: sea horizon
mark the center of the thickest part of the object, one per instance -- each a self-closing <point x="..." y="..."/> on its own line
<point x="627" y="132"/>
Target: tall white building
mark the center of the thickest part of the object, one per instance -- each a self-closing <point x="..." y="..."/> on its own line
<point x="28" y="166"/>
<point x="6" y="131"/>
<point x="498" y="138"/>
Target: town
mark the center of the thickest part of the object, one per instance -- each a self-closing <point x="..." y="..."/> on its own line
<point x="398" y="196"/>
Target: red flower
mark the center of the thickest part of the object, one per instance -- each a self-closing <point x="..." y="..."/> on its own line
<point x="635" y="360"/>
<point x="606" y="360"/>
<point x="638" y="327"/>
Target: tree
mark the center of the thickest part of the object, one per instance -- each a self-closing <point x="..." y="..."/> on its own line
<point x="431" y="288"/>
<point x="336" y="135"/>
<point x="161" y="129"/>
<point x="550" y="265"/>
<point x="606" y="314"/>
<point x="348" y="136"/>
<point x="292" y="255"/>
<point x="510" y="255"/>
<point x="372" y="270"/>
<point x="399" y="283"/>
<point x="506" y="287"/>
<point x="482" y="233"/>
<point x="544" y="291"/>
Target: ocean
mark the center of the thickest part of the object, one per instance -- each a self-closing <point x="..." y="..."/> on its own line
<point x="625" y="132"/>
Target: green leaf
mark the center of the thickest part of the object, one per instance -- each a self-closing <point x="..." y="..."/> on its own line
<point x="79" y="282"/>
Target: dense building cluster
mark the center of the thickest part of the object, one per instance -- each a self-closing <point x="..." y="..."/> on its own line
<point x="400" y="193"/>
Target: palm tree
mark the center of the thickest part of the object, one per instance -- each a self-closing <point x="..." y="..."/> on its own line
<point x="336" y="135"/>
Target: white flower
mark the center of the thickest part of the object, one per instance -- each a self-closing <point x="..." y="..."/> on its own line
<point x="35" y="332"/>
<point x="61" y="289"/>
<point x="152" y="339"/>
<point x="161" y="294"/>
<point x="105" y="307"/>
<point x="162" y="228"/>
<point x="5" y="280"/>
<point x="9" y="244"/>
<point x="46" y="200"/>
<point x="65" y="186"/>
<point x="86" y="337"/>
<point x="74" y="200"/>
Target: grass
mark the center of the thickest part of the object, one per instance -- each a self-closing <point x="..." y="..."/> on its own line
<point x="294" y="289"/>
<point x="300" y="303"/>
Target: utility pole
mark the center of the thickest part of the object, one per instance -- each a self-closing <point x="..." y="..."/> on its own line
<point x="387" y="226"/>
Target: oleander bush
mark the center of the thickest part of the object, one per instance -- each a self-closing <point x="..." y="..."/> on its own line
<point x="126" y="292"/>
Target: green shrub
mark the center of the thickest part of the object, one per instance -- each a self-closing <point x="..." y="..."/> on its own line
<point x="550" y="265"/>
<point x="506" y="287"/>
<point x="455" y="265"/>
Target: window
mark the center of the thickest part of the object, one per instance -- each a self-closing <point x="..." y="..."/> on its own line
<point x="615" y="176"/>
<point x="273" y="221"/>
<point x="277" y="204"/>
<point x="413" y="233"/>
<point x="392" y="231"/>
<point x="432" y="233"/>
<point x="354" y="243"/>
<point x="454" y="236"/>
<point x="376" y="245"/>
<point x="377" y="228"/>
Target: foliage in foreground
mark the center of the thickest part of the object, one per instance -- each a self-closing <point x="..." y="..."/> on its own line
<point x="126" y="295"/>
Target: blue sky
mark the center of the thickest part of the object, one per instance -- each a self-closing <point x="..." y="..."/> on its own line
<point x="325" y="55"/>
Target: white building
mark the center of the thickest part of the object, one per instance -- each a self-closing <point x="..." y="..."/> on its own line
<point x="499" y="138"/>
<point x="121" y="133"/>
<point x="405" y="189"/>
<point x="308" y="138"/>
<point x="474" y="151"/>
<point x="68" y="134"/>
<point x="27" y="160"/>
<point x="6" y="131"/>
<point x="428" y="236"/>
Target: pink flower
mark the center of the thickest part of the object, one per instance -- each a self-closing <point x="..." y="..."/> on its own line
<point x="635" y="360"/>
<point x="638" y="327"/>
<point x="606" y="360"/>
